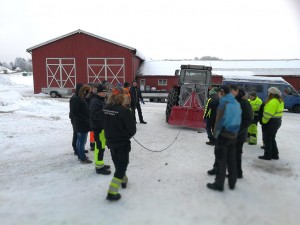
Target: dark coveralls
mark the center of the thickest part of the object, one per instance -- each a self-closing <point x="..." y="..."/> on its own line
<point x="119" y="127"/>
<point x="136" y="96"/>
<point x="95" y="107"/>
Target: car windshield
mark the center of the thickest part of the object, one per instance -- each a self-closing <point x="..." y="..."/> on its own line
<point x="194" y="76"/>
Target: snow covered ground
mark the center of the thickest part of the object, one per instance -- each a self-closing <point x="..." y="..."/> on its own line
<point x="42" y="182"/>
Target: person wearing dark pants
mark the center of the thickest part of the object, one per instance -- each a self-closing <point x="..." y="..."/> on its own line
<point x="95" y="107"/>
<point x="119" y="127"/>
<point x="271" y="122"/>
<point x="227" y="125"/>
<point x="136" y="97"/>
<point x="71" y="116"/>
<point x="247" y="117"/>
<point x="210" y="113"/>
<point x="225" y="158"/>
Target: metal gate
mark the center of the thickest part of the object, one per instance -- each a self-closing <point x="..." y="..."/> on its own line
<point x="61" y="72"/>
<point x="109" y="69"/>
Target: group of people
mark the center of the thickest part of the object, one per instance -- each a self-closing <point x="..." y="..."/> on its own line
<point x="109" y="114"/>
<point x="231" y="120"/>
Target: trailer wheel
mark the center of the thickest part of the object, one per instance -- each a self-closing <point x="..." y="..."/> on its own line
<point x="53" y="94"/>
<point x="162" y="100"/>
<point x="173" y="98"/>
<point x="296" y="108"/>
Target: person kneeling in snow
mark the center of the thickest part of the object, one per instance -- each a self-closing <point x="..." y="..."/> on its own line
<point x="119" y="127"/>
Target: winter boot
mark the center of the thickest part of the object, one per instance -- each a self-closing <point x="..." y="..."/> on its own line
<point x="124" y="182"/>
<point x="212" y="172"/>
<point x="114" y="186"/>
<point x="112" y="197"/>
<point x="264" y="157"/>
<point x="103" y="171"/>
<point x="214" y="186"/>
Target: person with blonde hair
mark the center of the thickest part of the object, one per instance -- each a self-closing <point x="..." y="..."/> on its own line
<point x="119" y="128"/>
<point x="271" y="122"/>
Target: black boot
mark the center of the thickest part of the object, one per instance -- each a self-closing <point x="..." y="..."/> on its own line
<point x="123" y="185"/>
<point x="214" y="186"/>
<point x="210" y="143"/>
<point x="92" y="145"/>
<point x="103" y="171"/>
<point x="143" y="122"/>
<point x="212" y="171"/>
<point x="264" y="157"/>
<point x="112" y="197"/>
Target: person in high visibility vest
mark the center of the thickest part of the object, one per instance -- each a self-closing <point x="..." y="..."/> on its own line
<point x="255" y="103"/>
<point x="210" y="114"/>
<point x="271" y="122"/>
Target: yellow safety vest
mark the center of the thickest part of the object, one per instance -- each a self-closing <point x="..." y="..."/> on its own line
<point x="205" y="111"/>
<point x="272" y="109"/>
<point x="255" y="105"/>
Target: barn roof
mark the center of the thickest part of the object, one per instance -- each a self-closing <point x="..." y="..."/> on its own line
<point x="224" y="67"/>
<point x="84" y="32"/>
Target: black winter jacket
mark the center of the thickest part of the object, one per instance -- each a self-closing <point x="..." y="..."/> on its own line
<point x="118" y="125"/>
<point x="80" y="112"/>
<point x="135" y="95"/>
<point x="95" y="107"/>
<point x="247" y="117"/>
<point x="213" y="105"/>
<point x="78" y="86"/>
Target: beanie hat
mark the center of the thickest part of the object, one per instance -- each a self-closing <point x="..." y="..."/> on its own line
<point x="275" y="91"/>
<point x="253" y="93"/>
<point x="117" y="90"/>
<point x="224" y="88"/>
<point x="101" y="88"/>
<point x="126" y="84"/>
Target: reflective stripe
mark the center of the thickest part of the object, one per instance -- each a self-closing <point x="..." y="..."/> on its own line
<point x="99" y="164"/>
<point x="114" y="186"/>
<point x="125" y="179"/>
<point x="205" y="110"/>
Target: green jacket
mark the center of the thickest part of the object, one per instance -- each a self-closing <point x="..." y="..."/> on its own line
<point x="255" y="105"/>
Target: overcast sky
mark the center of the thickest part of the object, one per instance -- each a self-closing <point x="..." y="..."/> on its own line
<point x="159" y="29"/>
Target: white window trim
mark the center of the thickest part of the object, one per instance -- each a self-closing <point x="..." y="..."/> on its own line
<point x="166" y="84"/>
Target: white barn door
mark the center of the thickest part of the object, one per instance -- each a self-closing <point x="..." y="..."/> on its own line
<point x="61" y="72"/>
<point x="110" y="69"/>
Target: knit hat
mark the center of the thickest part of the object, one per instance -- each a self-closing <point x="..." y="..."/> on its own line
<point x="117" y="90"/>
<point x="253" y="93"/>
<point x="275" y="91"/>
<point x="126" y="84"/>
<point x="224" y="88"/>
<point x="101" y="88"/>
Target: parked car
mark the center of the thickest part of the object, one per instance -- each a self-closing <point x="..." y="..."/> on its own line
<point x="261" y="85"/>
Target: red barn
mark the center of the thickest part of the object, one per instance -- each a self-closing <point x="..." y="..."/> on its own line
<point x="82" y="57"/>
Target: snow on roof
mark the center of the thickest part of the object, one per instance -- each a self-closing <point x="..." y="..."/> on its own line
<point x="2" y="69"/>
<point x="226" y="67"/>
<point x="29" y="50"/>
<point x="252" y="78"/>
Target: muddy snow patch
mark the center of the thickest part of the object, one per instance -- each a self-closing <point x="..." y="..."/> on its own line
<point x="274" y="168"/>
